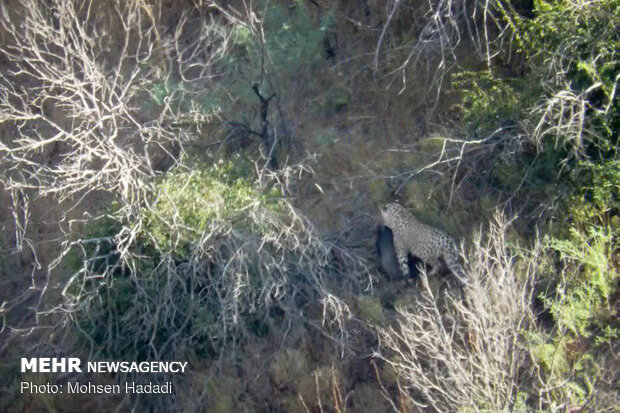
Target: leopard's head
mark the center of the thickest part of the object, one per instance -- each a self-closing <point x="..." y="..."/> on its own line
<point x="390" y="211"/>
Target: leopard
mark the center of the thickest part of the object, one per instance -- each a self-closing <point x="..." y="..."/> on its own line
<point x="431" y="245"/>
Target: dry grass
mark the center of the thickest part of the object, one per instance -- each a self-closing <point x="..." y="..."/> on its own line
<point x="465" y="352"/>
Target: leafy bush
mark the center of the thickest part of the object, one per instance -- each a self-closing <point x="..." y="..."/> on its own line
<point x="370" y="310"/>
<point x="565" y="104"/>
<point x="489" y="102"/>
<point x="194" y="199"/>
<point x="280" y="45"/>
<point x="215" y="258"/>
<point x="588" y="280"/>
<point x="292" y="43"/>
<point x="288" y="367"/>
<point x="581" y="108"/>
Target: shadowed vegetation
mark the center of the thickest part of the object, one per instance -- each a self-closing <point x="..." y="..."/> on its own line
<point x="201" y="181"/>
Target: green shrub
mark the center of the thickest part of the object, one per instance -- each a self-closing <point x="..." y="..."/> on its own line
<point x="196" y="199"/>
<point x="222" y="393"/>
<point x="582" y="298"/>
<point x="288" y="368"/>
<point x="370" y="310"/>
<point x="166" y="268"/>
<point x="288" y="49"/>
<point x="557" y="151"/>
<point x="293" y="40"/>
<point x="488" y="102"/>
<point x="215" y="258"/>
<point x="597" y="196"/>
<point x="574" y="46"/>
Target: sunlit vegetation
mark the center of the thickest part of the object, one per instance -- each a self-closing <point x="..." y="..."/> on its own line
<point x="200" y="181"/>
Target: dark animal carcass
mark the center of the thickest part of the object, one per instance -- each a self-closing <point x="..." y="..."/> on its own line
<point x="388" y="263"/>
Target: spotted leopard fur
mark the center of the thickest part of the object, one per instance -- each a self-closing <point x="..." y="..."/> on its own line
<point x="430" y="244"/>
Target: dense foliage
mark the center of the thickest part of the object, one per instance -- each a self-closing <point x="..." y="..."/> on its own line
<point x="215" y="182"/>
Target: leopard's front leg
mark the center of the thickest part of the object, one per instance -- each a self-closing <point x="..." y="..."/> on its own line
<point x="402" y="256"/>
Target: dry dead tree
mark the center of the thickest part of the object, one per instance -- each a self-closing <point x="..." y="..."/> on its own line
<point x="92" y="94"/>
<point x="94" y="98"/>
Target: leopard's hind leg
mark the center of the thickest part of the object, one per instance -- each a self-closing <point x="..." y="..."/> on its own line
<point x="451" y="258"/>
<point x="402" y="255"/>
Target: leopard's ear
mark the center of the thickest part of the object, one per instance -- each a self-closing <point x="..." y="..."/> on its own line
<point x="385" y="212"/>
<point x="396" y="190"/>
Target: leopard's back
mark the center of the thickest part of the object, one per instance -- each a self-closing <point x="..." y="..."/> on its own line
<point x="430" y="244"/>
